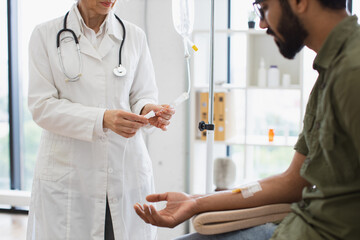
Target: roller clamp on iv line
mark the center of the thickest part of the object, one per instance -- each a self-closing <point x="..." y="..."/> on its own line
<point x="206" y="126"/>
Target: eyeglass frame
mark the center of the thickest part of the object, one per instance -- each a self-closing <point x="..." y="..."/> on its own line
<point x="258" y="9"/>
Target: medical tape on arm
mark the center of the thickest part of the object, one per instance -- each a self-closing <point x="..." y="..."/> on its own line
<point x="248" y="190"/>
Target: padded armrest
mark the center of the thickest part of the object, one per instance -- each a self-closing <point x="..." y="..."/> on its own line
<point x="226" y="221"/>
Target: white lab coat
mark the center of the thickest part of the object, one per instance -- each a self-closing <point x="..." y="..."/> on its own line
<point x="78" y="165"/>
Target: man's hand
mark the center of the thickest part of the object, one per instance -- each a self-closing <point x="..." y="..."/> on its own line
<point x="123" y="123"/>
<point x="179" y="208"/>
<point x="163" y="115"/>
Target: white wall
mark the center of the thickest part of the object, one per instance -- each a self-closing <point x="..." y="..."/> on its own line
<point x="167" y="149"/>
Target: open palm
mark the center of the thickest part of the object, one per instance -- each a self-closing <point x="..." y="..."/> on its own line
<point x="179" y="208"/>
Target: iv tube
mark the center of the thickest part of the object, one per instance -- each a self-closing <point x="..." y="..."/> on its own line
<point x="183" y="19"/>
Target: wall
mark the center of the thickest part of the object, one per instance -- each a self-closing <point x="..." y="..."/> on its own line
<point x="167" y="149"/>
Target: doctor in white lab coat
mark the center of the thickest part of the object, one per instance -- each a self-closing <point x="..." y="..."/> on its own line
<point x="92" y="164"/>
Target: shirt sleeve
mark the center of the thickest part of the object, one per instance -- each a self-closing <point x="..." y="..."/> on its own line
<point x="301" y="145"/>
<point x="347" y="100"/>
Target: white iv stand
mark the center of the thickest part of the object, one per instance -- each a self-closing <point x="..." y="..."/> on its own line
<point x="183" y="18"/>
<point x="210" y="126"/>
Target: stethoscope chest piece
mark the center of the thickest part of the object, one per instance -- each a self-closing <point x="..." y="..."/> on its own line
<point x="120" y="71"/>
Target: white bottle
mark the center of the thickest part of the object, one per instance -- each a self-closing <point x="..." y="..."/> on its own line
<point x="286" y="80"/>
<point x="273" y="76"/>
<point x="262" y="74"/>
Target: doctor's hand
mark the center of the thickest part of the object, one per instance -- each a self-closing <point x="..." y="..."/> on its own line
<point x="123" y="123"/>
<point x="179" y="208"/>
<point x="163" y="114"/>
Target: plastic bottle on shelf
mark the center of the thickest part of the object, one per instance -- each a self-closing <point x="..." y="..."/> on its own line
<point x="271" y="135"/>
<point x="286" y="80"/>
<point x="262" y="74"/>
<point x="273" y="76"/>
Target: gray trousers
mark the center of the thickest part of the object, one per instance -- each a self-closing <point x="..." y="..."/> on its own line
<point x="109" y="230"/>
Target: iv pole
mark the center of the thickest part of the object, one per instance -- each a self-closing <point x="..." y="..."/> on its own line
<point x="210" y="126"/>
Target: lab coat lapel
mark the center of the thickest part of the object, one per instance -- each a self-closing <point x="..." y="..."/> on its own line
<point x="112" y="37"/>
<point x="87" y="48"/>
<point x="85" y="45"/>
<point x="105" y="46"/>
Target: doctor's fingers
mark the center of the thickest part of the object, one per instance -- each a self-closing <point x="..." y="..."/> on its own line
<point x="162" y="121"/>
<point x="159" y="125"/>
<point x="132" y="117"/>
<point x="126" y="131"/>
<point x="128" y="124"/>
<point x="166" y="113"/>
<point x="125" y="134"/>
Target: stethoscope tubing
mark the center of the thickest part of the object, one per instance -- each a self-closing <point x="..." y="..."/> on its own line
<point x="124" y="36"/>
<point x="65" y="29"/>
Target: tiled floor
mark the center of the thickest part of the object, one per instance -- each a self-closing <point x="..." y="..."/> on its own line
<point x="13" y="226"/>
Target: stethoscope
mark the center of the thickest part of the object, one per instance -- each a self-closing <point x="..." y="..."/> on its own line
<point x="119" y="70"/>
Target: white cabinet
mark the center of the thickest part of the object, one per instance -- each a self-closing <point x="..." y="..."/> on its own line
<point x="257" y="109"/>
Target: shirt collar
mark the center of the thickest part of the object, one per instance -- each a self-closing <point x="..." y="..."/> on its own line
<point x="111" y="24"/>
<point x="334" y="42"/>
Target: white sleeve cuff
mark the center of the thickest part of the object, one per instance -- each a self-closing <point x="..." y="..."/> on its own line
<point x="99" y="130"/>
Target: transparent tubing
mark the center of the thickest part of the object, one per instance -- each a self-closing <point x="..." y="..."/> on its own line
<point x="183" y="19"/>
<point x="187" y="58"/>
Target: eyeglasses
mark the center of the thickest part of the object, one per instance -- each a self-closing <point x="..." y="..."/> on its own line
<point x="258" y="9"/>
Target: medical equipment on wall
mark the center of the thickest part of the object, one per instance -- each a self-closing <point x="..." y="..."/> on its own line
<point x="119" y="70"/>
<point x="183" y="19"/>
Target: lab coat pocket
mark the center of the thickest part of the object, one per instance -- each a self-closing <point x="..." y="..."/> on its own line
<point x="57" y="157"/>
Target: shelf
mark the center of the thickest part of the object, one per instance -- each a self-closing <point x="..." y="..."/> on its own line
<point x="294" y="87"/>
<point x="220" y="87"/>
<point x="233" y="31"/>
<point x="236" y="86"/>
<point x="278" y="141"/>
<point x="261" y="141"/>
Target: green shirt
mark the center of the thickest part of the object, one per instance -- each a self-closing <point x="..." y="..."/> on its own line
<point x="330" y="139"/>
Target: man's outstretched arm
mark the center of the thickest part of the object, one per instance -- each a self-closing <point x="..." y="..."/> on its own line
<point x="283" y="188"/>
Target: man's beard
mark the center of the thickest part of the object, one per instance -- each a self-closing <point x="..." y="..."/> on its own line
<point x="292" y="31"/>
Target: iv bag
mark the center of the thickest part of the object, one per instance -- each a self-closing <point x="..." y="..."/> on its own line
<point x="183" y="16"/>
